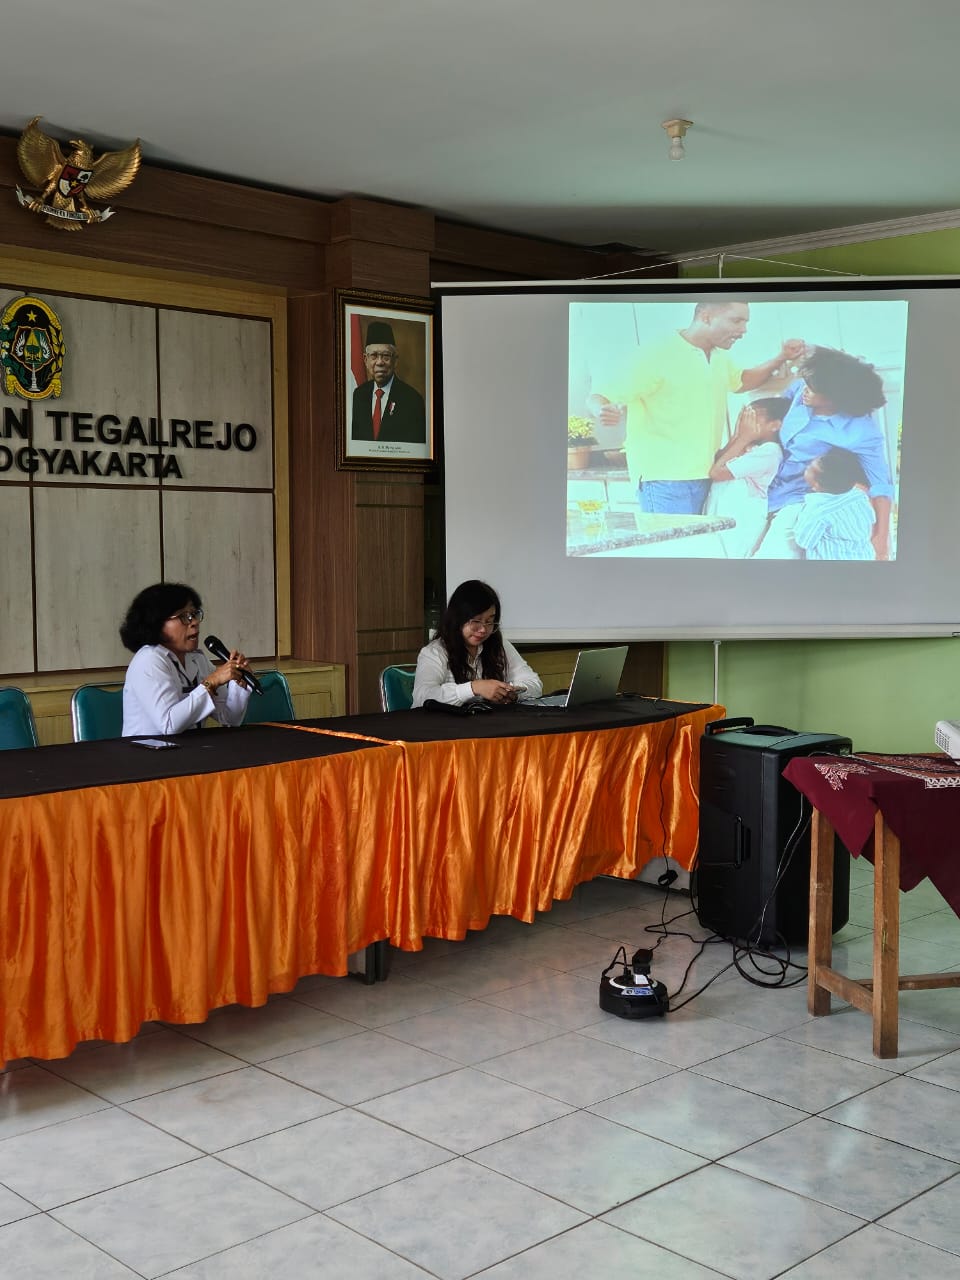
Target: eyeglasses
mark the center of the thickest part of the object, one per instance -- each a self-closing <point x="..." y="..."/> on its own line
<point x="478" y="624"/>
<point x="188" y="616"/>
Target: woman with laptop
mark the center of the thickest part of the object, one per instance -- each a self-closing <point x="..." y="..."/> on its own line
<point x="468" y="658"/>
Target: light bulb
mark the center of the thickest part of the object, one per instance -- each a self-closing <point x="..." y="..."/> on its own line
<point x="677" y="151"/>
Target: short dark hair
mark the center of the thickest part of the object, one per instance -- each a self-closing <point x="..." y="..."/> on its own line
<point x="840" y="470"/>
<point x="467" y="601"/>
<point x="151" y="609"/>
<point x="704" y="308"/>
<point x="852" y="385"/>
<point x="774" y="408"/>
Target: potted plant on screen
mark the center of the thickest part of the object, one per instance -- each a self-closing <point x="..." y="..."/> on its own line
<point x="580" y="440"/>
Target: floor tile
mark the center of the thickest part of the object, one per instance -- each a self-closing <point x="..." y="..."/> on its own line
<point x="225" y="1110"/>
<point x="682" y="1039"/>
<point x="852" y="1171"/>
<point x="602" y="896"/>
<point x="466" y="1110"/>
<point x="470" y="1032"/>
<point x="944" y="1071"/>
<point x="910" y="1111"/>
<point x="626" y="927"/>
<point x="14" y="1207"/>
<point x="179" y="1216"/>
<point x="793" y="1073"/>
<point x="700" y="1115"/>
<point x="278" y="1027"/>
<point x="360" y="1067"/>
<point x="596" y="1247"/>
<point x="765" y="1009"/>
<point x="932" y="1217"/>
<point x="588" y="1162"/>
<point x="560" y="949"/>
<point x="576" y="1069"/>
<point x="121" y="1072"/>
<point x="379" y="1003"/>
<point x="856" y="958"/>
<point x="324" y="1162"/>
<point x="478" y="972"/>
<point x="41" y="1249"/>
<point x="935" y="1008"/>
<point x="879" y="1254"/>
<point x="849" y="1033"/>
<point x="560" y="1000"/>
<point x="78" y="1158"/>
<point x="941" y="927"/>
<point x="313" y="1249"/>
<point x="716" y="1217"/>
<point x="441" y="1219"/>
<point x="33" y="1097"/>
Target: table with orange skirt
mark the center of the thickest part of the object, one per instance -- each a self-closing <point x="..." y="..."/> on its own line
<point x="139" y="885"/>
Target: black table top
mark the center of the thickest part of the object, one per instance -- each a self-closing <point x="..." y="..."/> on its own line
<point x="75" y="765"/>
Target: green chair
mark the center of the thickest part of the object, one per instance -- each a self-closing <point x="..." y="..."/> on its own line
<point x="274" y="704"/>
<point x="396" y="688"/>
<point x="17" y="727"/>
<point x="97" y="712"/>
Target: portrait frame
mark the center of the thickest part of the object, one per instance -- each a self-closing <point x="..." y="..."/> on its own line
<point x="404" y="438"/>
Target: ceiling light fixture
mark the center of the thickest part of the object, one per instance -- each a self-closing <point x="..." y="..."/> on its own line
<point x="675" y="131"/>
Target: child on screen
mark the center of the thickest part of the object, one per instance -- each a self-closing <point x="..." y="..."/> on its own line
<point x="836" y="520"/>
<point x="742" y="472"/>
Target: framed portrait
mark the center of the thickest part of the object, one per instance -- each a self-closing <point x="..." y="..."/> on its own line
<point x="384" y="382"/>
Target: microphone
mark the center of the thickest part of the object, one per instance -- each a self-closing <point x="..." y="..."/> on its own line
<point x="220" y="650"/>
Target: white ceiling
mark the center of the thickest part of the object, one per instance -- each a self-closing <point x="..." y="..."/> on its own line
<point x="537" y="118"/>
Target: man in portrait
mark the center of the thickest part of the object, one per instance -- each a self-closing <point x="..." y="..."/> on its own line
<point x="385" y="407"/>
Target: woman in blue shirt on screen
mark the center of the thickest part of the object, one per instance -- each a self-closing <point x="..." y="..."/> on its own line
<point x="468" y="658"/>
<point x="833" y="403"/>
<point x="171" y="684"/>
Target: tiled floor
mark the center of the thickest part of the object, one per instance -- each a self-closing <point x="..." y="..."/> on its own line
<point x="478" y="1114"/>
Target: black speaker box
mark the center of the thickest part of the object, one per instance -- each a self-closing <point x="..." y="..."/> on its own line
<point x="748" y="814"/>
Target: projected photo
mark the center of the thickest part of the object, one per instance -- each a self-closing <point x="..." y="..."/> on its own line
<point x="728" y="429"/>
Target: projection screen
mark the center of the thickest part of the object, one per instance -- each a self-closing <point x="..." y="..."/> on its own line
<point x="742" y="459"/>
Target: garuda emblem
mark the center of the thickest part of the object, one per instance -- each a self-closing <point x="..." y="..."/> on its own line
<point x="67" y="180"/>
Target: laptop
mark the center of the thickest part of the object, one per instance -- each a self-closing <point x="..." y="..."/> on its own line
<point x="596" y="678"/>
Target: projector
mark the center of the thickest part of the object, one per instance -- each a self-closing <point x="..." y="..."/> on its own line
<point x="947" y="737"/>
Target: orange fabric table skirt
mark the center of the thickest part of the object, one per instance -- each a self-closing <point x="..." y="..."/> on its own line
<point x="169" y="898"/>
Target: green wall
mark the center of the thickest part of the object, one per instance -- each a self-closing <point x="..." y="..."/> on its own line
<point x="886" y="695"/>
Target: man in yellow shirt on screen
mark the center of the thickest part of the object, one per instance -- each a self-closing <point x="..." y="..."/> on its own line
<point x="672" y="398"/>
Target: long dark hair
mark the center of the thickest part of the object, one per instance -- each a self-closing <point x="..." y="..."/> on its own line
<point x="468" y="600"/>
<point x="151" y="609"/>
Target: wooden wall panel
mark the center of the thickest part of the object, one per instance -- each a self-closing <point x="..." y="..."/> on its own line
<point x="381" y="223"/>
<point x="390" y="561"/>
<point x="95" y="549"/>
<point x="361" y="264"/>
<point x="16" y="580"/>
<point x="222" y="545"/>
<point x="322" y="526"/>
<point x="218" y="369"/>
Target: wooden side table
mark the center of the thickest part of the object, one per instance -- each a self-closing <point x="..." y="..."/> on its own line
<point x="877" y="995"/>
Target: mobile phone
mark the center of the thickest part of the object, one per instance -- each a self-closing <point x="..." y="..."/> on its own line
<point x="154" y="744"/>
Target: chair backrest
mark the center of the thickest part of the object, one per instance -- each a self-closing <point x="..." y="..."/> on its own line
<point x="17" y="727"/>
<point x="396" y="688"/>
<point x="97" y="712"/>
<point x="275" y="703"/>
